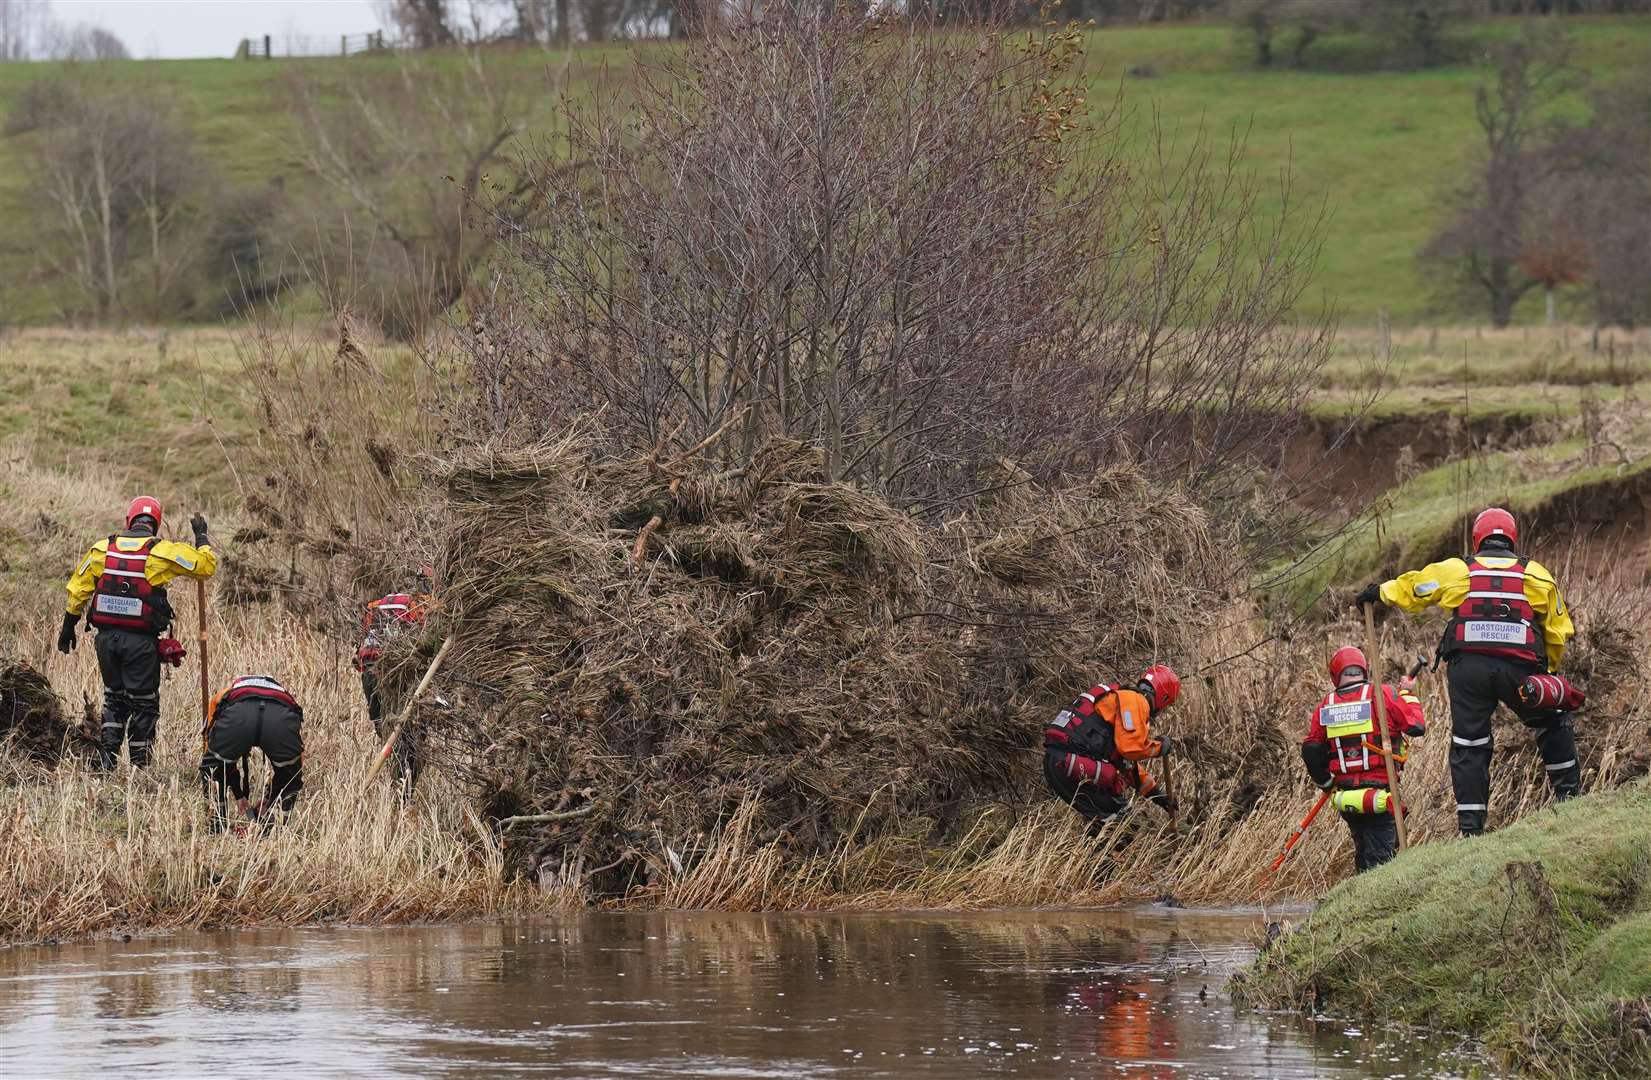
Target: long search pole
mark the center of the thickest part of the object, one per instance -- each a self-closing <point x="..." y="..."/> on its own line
<point x="206" y="685"/>
<point x="1169" y="791"/>
<point x="407" y="711"/>
<point x="1296" y="836"/>
<point x="1380" y="694"/>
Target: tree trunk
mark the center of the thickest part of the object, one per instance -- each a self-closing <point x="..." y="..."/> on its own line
<point x="106" y="229"/>
<point x="1548" y="294"/>
<point x="1499" y="282"/>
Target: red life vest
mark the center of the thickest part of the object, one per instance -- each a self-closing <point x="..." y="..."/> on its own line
<point x="1349" y="721"/>
<point x="387" y="616"/>
<point x="1080" y="729"/>
<point x="123" y="598"/>
<point x="1496" y="618"/>
<point x="255" y="686"/>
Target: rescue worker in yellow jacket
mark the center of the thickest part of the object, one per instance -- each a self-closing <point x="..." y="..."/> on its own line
<point x="120" y="588"/>
<point x="1508" y="623"/>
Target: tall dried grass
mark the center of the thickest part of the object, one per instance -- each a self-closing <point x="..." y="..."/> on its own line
<point x="86" y="853"/>
<point x="818" y="795"/>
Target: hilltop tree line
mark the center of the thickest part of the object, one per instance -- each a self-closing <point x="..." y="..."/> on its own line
<point x="1412" y="32"/>
<point x="389" y="165"/>
<point x="1405" y="33"/>
<point x="28" y="31"/>
<point x="1547" y="200"/>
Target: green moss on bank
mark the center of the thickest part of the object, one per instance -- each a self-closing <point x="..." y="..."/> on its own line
<point x="1535" y="939"/>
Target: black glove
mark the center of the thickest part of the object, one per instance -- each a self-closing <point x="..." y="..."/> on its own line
<point x="198" y="523"/>
<point x="1322" y="785"/>
<point x="1163" y="746"/>
<point x="1166" y="803"/>
<point x="66" y="640"/>
<point x="1369" y="597"/>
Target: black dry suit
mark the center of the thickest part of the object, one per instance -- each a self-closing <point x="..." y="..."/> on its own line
<point x="254" y="711"/>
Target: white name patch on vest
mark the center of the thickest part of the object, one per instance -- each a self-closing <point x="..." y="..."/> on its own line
<point x="120" y="605"/>
<point x="1498" y="633"/>
<point x="1347" y="718"/>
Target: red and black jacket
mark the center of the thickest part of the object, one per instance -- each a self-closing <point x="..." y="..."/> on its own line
<point x="1340" y="748"/>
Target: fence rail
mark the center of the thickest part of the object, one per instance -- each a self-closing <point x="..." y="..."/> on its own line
<point x="299" y="46"/>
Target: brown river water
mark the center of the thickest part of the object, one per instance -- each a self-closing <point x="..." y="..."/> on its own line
<point x="1130" y="993"/>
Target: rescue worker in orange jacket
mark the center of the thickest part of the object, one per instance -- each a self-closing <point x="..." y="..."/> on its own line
<point x="1095" y="747"/>
<point x="254" y="710"/>
<point x="120" y="586"/>
<point x="1508" y="623"/>
<point x="385" y="619"/>
<point x="1344" y="756"/>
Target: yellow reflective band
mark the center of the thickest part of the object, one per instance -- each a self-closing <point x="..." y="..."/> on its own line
<point x="1351" y="801"/>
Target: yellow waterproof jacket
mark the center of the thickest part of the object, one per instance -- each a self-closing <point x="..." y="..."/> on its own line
<point x="168" y="559"/>
<point x="1446" y="584"/>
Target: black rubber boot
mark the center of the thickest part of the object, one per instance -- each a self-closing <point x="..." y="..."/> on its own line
<point x="116" y="708"/>
<point x="146" y="714"/>
<point x="1557" y="743"/>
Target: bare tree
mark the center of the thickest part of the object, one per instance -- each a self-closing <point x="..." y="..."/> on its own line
<point x="423" y="24"/>
<point x="21" y="22"/>
<point x="1292" y="24"/>
<point x="83" y="42"/>
<point x="1603" y="181"/>
<point x="1417" y="32"/>
<point x="1479" y="247"/>
<point x="400" y="153"/>
<point x="909" y="246"/>
<point x="123" y="184"/>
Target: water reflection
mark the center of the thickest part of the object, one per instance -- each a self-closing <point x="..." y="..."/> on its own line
<point x="1033" y="994"/>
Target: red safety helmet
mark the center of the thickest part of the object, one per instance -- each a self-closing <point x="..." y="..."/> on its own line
<point x="1166" y="685"/>
<point x="1345" y="657"/>
<point x="144" y="506"/>
<point x="1494" y="522"/>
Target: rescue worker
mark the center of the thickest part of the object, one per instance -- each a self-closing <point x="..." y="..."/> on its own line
<point x="1508" y="622"/>
<point x="254" y="710"/>
<point x="385" y="619"/>
<point x="1344" y="757"/>
<point x="1094" y="748"/>
<point x="120" y="586"/>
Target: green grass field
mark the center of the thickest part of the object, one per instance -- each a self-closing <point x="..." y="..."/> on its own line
<point x="1373" y="149"/>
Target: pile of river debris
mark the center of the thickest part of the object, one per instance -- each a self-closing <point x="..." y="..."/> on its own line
<point x="641" y="646"/>
<point x="34" y="726"/>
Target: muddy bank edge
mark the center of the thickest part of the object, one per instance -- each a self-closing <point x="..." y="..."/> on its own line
<point x="1535" y="939"/>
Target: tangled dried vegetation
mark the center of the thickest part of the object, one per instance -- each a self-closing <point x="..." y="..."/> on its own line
<point x="34" y="727"/>
<point x="643" y="647"/>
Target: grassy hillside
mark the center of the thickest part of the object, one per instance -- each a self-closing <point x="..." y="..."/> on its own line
<point x="1375" y="149"/>
<point x="1536" y="939"/>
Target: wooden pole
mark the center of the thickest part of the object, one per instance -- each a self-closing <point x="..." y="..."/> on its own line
<point x="1377" y="692"/>
<point x="1169" y="791"/>
<point x="206" y="683"/>
<point x="407" y="711"/>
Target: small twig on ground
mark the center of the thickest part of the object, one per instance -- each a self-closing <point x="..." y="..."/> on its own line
<point x="540" y="819"/>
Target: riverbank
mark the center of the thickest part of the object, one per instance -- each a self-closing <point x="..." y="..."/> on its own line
<point x="1535" y="939"/>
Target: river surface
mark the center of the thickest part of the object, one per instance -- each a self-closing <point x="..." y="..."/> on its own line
<point x="1135" y="993"/>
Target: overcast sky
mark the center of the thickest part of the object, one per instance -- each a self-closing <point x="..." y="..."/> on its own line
<point x="180" y="28"/>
